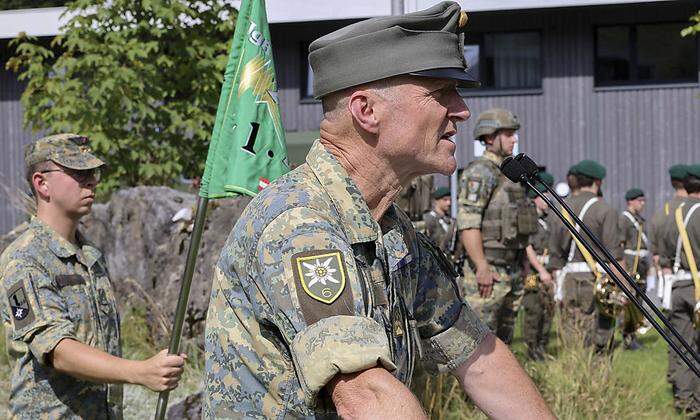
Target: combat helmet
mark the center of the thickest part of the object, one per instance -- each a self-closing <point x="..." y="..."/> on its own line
<point x="495" y="119"/>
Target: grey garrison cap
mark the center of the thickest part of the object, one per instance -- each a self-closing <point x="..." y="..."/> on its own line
<point x="426" y="43"/>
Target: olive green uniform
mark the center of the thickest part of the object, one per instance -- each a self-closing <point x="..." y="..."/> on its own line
<point x="499" y="208"/>
<point x="538" y="302"/>
<point x="439" y="229"/>
<point x="635" y="245"/>
<point x="686" y="386"/>
<point x="580" y="311"/>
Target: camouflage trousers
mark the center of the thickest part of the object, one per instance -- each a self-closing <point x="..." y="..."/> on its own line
<point x="580" y="314"/>
<point x="499" y="310"/>
<point x="686" y="386"/>
<point x="538" y="308"/>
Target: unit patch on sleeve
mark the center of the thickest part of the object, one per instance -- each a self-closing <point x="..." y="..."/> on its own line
<point x="320" y="279"/>
<point x="22" y="314"/>
<point x="473" y="188"/>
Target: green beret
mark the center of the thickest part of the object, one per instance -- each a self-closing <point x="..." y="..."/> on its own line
<point x="69" y="150"/>
<point x="678" y="172"/>
<point x="547" y="178"/>
<point x="441" y="192"/>
<point x="694" y="170"/>
<point x="425" y="43"/>
<point x="589" y="168"/>
<point x="633" y="193"/>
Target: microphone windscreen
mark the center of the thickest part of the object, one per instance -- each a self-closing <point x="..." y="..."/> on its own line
<point x="528" y="164"/>
<point x="512" y="169"/>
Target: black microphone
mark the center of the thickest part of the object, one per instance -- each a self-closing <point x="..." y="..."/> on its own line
<point x="529" y="166"/>
<point x="529" y="163"/>
<point x="513" y="170"/>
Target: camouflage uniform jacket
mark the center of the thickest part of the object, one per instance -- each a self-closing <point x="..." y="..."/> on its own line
<point x="540" y="239"/>
<point x="52" y="290"/>
<point x="657" y="222"/>
<point x="601" y="218"/>
<point x="438" y="228"/>
<point x="309" y="285"/>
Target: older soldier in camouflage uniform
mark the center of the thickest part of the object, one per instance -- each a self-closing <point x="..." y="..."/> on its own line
<point x="58" y="306"/>
<point x="580" y="309"/>
<point x="680" y="264"/>
<point x="439" y="226"/>
<point x="636" y="256"/>
<point x="325" y="297"/>
<point x="538" y="302"/>
<point x="495" y="219"/>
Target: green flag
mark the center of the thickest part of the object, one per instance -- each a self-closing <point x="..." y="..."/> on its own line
<point x="247" y="148"/>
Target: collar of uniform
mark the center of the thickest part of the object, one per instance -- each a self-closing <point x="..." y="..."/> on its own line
<point x="489" y="155"/>
<point x="345" y="195"/>
<point x="90" y="254"/>
<point x="57" y="244"/>
<point x="586" y="194"/>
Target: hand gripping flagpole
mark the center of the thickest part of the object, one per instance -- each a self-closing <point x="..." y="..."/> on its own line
<point x="523" y="169"/>
<point x="182" y="300"/>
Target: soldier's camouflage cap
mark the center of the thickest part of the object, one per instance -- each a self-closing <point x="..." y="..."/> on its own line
<point x="589" y="168"/>
<point x="441" y="192"/>
<point x="633" y="193"/>
<point x="69" y="150"/>
<point x="547" y="178"/>
<point x="426" y="43"/>
<point x="678" y="172"/>
<point x="694" y="170"/>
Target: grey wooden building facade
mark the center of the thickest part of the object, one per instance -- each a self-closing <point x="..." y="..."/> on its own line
<point x="566" y="91"/>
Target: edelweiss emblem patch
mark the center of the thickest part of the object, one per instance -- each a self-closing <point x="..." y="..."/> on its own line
<point x="321" y="274"/>
<point x="21" y="311"/>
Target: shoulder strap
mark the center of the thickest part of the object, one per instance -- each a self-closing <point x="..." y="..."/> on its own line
<point x="667" y="208"/>
<point x="683" y="237"/>
<point x="640" y="231"/>
<point x="582" y="214"/>
<point x="586" y="255"/>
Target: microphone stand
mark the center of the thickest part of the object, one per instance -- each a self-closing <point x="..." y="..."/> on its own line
<point x="514" y="171"/>
<point x="532" y="171"/>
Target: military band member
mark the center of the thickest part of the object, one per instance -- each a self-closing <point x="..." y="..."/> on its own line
<point x="58" y="306"/>
<point x="538" y="302"/>
<point x="325" y="297"/>
<point x="578" y="270"/>
<point x="494" y="221"/>
<point x="439" y="226"/>
<point x="635" y="245"/>
<point x="679" y="250"/>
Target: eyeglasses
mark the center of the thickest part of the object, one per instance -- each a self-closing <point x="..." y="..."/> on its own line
<point x="81" y="176"/>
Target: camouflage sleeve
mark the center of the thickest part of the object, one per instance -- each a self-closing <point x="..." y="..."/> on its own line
<point x="558" y="239"/>
<point x="38" y="314"/>
<point x="475" y="188"/>
<point x="450" y="330"/>
<point x="309" y="278"/>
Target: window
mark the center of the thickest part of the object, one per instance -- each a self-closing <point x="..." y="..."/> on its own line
<point x="644" y="54"/>
<point x="508" y="60"/>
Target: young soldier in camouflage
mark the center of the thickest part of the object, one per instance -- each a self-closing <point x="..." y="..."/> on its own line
<point x="438" y="223"/>
<point x="636" y="256"/>
<point x="538" y="302"/>
<point x="680" y="265"/>
<point x="494" y="219"/>
<point x="58" y="306"/>
<point x="325" y="297"/>
<point x="580" y="309"/>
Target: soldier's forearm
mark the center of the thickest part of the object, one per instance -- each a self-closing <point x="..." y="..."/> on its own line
<point x="472" y="242"/>
<point x="532" y="258"/>
<point x="88" y="363"/>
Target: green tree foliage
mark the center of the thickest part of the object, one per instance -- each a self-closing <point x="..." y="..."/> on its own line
<point x="141" y="78"/>
<point x="695" y="27"/>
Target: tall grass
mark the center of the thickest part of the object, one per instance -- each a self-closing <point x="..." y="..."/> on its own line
<point x="577" y="383"/>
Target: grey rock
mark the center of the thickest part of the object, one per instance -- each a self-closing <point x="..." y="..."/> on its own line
<point x="189" y="408"/>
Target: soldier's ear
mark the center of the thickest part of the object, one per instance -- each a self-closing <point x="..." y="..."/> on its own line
<point x="361" y="105"/>
<point x="40" y="186"/>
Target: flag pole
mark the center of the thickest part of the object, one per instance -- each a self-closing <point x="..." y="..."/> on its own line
<point x="181" y="309"/>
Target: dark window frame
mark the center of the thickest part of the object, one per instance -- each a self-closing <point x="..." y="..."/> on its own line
<point x="634" y="64"/>
<point x="478" y="38"/>
<point x="304" y="73"/>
